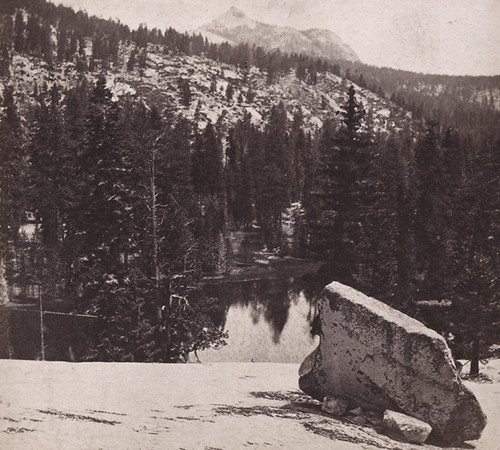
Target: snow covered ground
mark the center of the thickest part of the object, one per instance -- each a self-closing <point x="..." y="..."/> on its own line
<point x="53" y="405"/>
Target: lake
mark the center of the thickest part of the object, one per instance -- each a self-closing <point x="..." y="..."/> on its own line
<point x="268" y="320"/>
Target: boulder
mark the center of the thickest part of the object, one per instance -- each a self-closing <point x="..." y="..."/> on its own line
<point x="408" y="428"/>
<point x="380" y="358"/>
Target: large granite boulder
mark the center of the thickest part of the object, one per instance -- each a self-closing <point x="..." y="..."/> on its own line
<point x="379" y="358"/>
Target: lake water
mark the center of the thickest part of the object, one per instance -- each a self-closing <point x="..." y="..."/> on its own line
<point x="267" y="320"/>
<point x="65" y="337"/>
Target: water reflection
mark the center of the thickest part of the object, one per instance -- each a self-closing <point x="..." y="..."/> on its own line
<point x="267" y="321"/>
<point x="65" y="337"/>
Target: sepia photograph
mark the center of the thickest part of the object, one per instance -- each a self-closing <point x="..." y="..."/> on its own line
<point x="234" y="224"/>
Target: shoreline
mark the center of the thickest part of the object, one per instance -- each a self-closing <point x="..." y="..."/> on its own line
<point x="276" y="268"/>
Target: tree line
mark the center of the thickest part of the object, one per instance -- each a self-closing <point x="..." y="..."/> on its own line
<point x="92" y="43"/>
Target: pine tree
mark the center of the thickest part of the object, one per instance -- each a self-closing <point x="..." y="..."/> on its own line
<point x="12" y="182"/>
<point x="476" y="306"/>
<point x="177" y="174"/>
<point x="207" y="163"/>
<point x="387" y="263"/>
<point x="19" y="39"/>
<point x="33" y="35"/>
<point x="244" y="195"/>
<point x="300" y="71"/>
<point x="238" y="173"/>
<point x="429" y="217"/>
<point x="352" y="116"/>
<point x="324" y="194"/>
<point x="298" y="142"/>
<point x="48" y="179"/>
<point x="61" y="44"/>
<point x="336" y="221"/>
<point x="113" y="47"/>
<point x="232" y="174"/>
<point x="5" y="58"/>
<point x="207" y="178"/>
<point x="74" y="112"/>
<point x="185" y="92"/>
<point x="107" y="232"/>
<point x="132" y="59"/>
<point x="229" y="92"/>
<point x="100" y="217"/>
<point x="274" y="190"/>
<point x="46" y="44"/>
<point x="142" y="64"/>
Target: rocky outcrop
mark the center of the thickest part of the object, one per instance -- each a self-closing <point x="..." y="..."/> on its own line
<point x="379" y="358"/>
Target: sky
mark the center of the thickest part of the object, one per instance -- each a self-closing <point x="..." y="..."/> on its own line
<point x="455" y="37"/>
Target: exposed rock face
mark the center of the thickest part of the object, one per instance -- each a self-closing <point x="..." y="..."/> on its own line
<point x="410" y="429"/>
<point x="382" y="359"/>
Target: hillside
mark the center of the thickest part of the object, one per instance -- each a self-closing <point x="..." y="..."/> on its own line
<point x="469" y="104"/>
<point x="157" y="83"/>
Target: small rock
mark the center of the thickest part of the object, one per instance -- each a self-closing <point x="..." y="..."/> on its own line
<point x="412" y="430"/>
<point x="334" y="406"/>
<point x="307" y="400"/>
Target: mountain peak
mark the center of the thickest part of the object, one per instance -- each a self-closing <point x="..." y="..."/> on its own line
<point x="236" y="12"/>
<point x="231" y="19"/>
<point x="236" y="27"/>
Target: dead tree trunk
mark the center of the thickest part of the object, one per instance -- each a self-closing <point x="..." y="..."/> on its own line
<point x="474" y="362"/>
<point x="4" y="293"/>
<point x="154" y="220"/>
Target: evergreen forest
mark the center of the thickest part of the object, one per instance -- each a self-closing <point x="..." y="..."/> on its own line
<point x="132" y="202"/>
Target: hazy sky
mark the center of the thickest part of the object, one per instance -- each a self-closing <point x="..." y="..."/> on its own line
<point x="434" y="36"/>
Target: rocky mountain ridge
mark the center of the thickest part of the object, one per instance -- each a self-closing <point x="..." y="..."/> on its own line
<point x="236" y="27"/>
<point x="157" y="83"/>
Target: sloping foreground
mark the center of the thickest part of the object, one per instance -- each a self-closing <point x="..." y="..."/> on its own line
<point x="49" y="405"/>
<point x="379" y="358"/>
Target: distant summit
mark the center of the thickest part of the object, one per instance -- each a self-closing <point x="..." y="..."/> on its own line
<point x="234" y="26"/>
<point x="236" y="12"/>
<point x="232" y="19"/>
